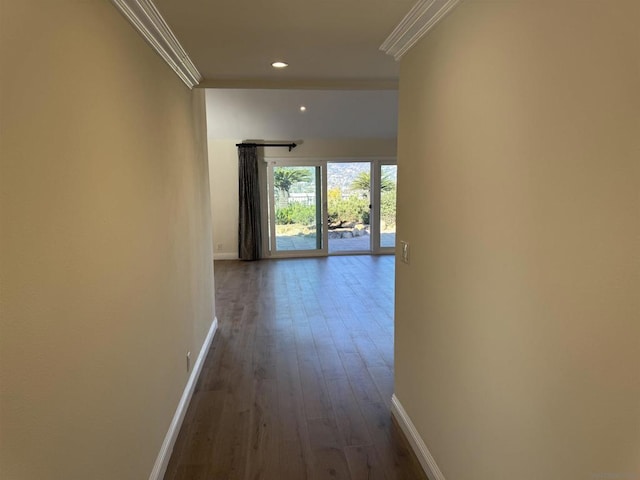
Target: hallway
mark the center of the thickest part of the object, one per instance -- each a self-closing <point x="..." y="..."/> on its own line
<point x="299" y="378"/>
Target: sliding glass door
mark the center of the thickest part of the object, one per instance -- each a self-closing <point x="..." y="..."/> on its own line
<point x="349" y="207"/>
<point x="386" y="188"/>
<point x="319" y="207"/>
<point x="296" y="213"/>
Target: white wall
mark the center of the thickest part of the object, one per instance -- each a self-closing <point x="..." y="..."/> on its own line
<point x="223" y="167"/>
<point x="275" y="113"/>
<point x="518" y="317"/>
<point x="106" y="276"/>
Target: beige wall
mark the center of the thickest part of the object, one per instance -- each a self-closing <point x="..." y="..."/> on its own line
<point x="105" y="258"/>
<point x="223" y="167"/>
<point x="518" y="317"/>
<point x="223" y="174"/>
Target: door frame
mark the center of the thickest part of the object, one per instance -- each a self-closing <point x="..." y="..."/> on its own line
<point x="376" y="196"/>
<point x="269" y="210"/>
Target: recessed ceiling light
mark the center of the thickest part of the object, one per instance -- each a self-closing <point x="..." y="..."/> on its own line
<point x="279" y="65"/>
<point x="303" y="108"/>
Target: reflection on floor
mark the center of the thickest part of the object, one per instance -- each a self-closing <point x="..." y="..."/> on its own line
<point x="298" y="381"/>
<point x="355" y="244"/>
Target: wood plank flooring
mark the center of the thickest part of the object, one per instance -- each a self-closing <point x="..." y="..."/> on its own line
<point x="298" y="381"/>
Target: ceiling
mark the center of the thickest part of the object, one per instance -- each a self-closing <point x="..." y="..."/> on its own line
<point x="274" y="114"/>
<point x="234" y="42"/>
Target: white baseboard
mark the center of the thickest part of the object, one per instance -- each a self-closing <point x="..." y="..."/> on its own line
<point x="417" y="444"/>
<point x="225" y="256"/>
<point x="162" y="461"/>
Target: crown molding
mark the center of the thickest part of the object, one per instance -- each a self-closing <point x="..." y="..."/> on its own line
<point x="422" y="17"/>
<point x="146" y="18"/>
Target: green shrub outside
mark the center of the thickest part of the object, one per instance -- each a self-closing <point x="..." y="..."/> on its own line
<point x="388" y="207"/>
<point x="354" y="209"/>
<point x="296" y="213"/>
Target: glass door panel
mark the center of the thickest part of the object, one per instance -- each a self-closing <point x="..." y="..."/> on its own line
<point x="349" y="206"/>
<point x="388" y="188"/>
<point x="295" y="213"/>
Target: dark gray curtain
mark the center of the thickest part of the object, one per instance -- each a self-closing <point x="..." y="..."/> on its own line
<point x="249" y="228"/>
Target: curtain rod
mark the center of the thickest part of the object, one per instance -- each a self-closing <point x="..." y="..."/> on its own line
<point x="290" y="145"/>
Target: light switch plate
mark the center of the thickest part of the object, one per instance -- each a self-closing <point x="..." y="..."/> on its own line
<point x="404" y="251"/>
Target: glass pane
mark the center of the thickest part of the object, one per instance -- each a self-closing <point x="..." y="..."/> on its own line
<point x="388" y="184"/>
<point x="349" y="199"/>
<point x="297" y="213"/>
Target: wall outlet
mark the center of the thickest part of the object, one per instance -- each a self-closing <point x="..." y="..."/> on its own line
<point x="404" y="251"/>
<point x="188" y="362"/>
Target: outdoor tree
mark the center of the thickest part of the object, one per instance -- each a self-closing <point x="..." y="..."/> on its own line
<point x="363" y="182"/>
<point x="387" y="198"/>
<point x="343" y="211"/>
<point x="285" y="177"/>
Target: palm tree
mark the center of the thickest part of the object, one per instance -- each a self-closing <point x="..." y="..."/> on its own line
<point x="285" y="177"/>
<point x="363" y="182"/>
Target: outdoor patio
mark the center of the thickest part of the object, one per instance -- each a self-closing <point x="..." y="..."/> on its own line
<point x="336" y="245"/>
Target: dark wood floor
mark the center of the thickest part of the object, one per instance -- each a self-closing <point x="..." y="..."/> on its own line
<point x="298" y="381"/>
